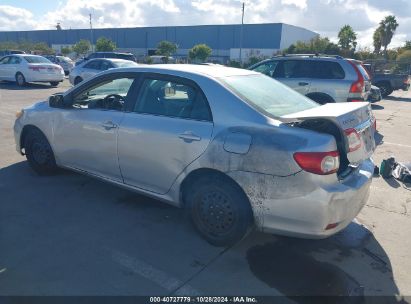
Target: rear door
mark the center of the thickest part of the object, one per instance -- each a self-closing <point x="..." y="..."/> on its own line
<point x="4" y="62"/>
<point x="168" y="127"/>
<point x="294" y="73"/>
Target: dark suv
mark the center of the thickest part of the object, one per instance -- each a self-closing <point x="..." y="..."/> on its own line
<point x="125" y="56"/>
<point x="322" y="78"/>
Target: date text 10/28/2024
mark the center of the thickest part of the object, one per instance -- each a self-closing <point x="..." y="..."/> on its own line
<point x="199" y="299"/>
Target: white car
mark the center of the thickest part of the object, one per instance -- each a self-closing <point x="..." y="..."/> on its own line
<point x="89" y="68"/>
<point x="65" y="62"/>
<point x="23" y="68"/>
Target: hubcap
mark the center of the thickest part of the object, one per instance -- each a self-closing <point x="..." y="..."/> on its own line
<point x="215" y="212"/>
<point x="20" y="79"/>
<point x="40" y="152"/>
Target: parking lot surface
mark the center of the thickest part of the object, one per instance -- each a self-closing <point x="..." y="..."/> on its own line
<point x="70" y="234"/>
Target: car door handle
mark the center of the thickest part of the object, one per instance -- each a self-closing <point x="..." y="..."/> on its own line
<point x="189" y="136"/>
<point x="303" y="83"/>
<point x="108" y="125"/>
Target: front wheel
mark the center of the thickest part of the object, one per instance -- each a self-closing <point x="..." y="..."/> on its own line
<point x="20" y="80"/>
<point x="54" y="83"/>
<point x="39" y="153"/>
<point x="219" y="210"/>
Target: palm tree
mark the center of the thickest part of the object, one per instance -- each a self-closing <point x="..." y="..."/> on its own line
<point x="387" y="29"/>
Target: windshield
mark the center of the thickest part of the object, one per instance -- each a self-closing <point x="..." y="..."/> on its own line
<point x="36" y="59"/>
<point x="125" y="64"/>
<point x="268" y="95"/>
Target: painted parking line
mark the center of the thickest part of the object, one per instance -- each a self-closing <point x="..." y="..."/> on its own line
<point x="153" y="274"/>
<point x="394" y="144"/>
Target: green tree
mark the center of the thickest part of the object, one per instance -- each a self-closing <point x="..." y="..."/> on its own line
<point x="82" y="47"/>
<point x="387" y="30"/>
<point x="407" y="45"/>
<point x="66" y="50"/>
<point x="347" y="38"/>
<point x="405" y="56"/>
<point x="315" y="45"/>
<point x="104" y="44"/>
<point x="42" y="48"/>
<point x="166" y="48"/>
<point x="377" y="40"/>
<point x="200" y="52"/>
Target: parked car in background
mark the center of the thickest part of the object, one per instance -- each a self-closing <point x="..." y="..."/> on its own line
<point x="10" y="52"/>
<point x="30" y="68"/>
<point x="92" y="67"/>
<point x="118" y="55"/>
<point x="322" y="78"/>
<point x="388" y="82"/>
<point x="65" y="62"/>
<point x="282" y="162"/>
<point x="158" y="59"/>
<point x="375" y="94"/>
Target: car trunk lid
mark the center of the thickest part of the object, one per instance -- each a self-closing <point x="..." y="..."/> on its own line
<point x="355" y="122"/>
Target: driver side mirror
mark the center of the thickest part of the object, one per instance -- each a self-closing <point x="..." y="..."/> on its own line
<point x="57" y="101"/>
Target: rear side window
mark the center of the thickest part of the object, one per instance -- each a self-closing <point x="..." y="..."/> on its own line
<point x="326" y="70"/>
<point x="173" y="99"/>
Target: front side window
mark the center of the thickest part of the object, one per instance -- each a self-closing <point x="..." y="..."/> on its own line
<point x="108" y="95"/>
<point x="293" y="69"/>
<point x="267" y="95"/>
<point x="173" y="99"/>
<point x="5" y="60"/>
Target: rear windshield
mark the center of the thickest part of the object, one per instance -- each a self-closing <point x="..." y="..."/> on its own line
<point x="36" y="59"/>
<point x="268" y="95"/>
<point x="363" y="71"/>
<point x="125" y="64"/>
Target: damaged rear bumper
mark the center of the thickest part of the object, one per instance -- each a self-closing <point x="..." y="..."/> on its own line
<point x="304" y="204"/>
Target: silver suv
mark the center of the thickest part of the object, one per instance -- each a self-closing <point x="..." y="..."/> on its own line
<point x="323" y="78"/>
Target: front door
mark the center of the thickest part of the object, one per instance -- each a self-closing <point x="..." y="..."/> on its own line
<point x="295" y="74"/>
<point x="85" y="135"/>
<point x="169" y="127"/>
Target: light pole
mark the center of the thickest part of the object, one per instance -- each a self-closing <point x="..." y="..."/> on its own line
<point x="241" y="34"/>
<point x="91" y="34"/>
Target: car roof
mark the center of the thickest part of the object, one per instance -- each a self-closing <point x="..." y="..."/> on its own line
<point x="213" y="71"/>
<point x="109" y="59"/>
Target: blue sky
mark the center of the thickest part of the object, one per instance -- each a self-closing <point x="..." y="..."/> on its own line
<point x="325" y="17"/>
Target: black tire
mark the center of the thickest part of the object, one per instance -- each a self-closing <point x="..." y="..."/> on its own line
<point x="385" y="89"/>
<point x="20" y="79"/>
<point x="219" y="210"/>
<point x="77" y="80"/>
<point x="54" y="83"/>
<point x="39" y="153"/>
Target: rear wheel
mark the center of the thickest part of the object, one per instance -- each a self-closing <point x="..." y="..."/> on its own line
<point x="20" y="80"/>
<point x="77" y="80"/>
<point x="54" y="83"/>
<point x="219" y="209"/>
<point x="385" y="89"/>
<point x="320" y="98"/>
<point x="39" y="153"/>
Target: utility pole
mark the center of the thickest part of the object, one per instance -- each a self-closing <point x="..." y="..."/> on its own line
<point x="241" y="34"/>
<point x="91" y="34"/>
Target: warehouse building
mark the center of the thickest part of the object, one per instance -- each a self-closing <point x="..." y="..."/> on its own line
<point x="224" y="40"/>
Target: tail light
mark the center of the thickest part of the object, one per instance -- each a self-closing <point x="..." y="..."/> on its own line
<point x="357" y="86"/>
<point x="321" y="163"/>
<point x="37" y="68"/>
<point x="354" y="140"/>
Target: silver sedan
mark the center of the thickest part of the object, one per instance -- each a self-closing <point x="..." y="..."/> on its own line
<point x="89" y="68"/>
<point x="236" y="148"/>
